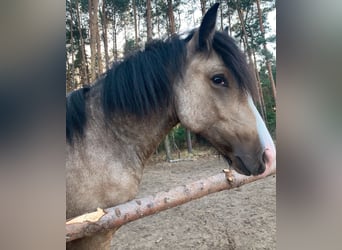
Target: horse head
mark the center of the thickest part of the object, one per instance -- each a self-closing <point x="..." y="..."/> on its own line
<point x="214" y="98"/>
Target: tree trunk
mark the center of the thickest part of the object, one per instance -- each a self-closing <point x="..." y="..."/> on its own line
<point x="110" y="218"/>
<point x="84" y="73"/>
<point x="92" y="21"/>
<point x="221" y="16"/>
<point x="115" y="46"/>
<point x="158" y="25"/>
<point x="260" y="94"/>
<point x="98" y="40"/>
<point x="135" y="23"/>
<point x="138" y="26"/>
<point x="229" y="19"/>
<point x="171" y="17"/>
<point x="149" y="20"/>
<point x="86" y="67"/>
<point x="203" y="6"/>
<point x="167" y="148"/>
<point x="251" y="61"/>
<point x="68" y="83"/>
<point x="72" y="80"/>
<point x="179" y="21"/>
<point x="188" y="141"/>
<point x="105" y="32"/>
<point x="268" y="63"/>
<point x="245" y="37"/>
<point x="193" y="17"/>
<point x="125" y="29"/>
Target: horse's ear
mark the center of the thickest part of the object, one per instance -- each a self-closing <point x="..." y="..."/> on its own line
<point x="207" y="29"/>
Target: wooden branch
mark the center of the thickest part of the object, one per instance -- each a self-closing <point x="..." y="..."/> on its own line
<point x="105" y="219"/>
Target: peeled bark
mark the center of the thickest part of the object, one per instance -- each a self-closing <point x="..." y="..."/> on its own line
<point x="106" y="219"/>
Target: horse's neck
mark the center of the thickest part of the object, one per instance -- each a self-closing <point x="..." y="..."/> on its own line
<point x="132" y="136"/>
<point x="147" y="133"/>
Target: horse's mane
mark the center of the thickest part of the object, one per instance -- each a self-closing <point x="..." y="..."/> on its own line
<point x="139" y="84"/>
<point x="75" y="113"/>
<point x="142" y="82"/>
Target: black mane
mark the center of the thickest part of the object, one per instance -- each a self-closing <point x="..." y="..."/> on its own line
<point x="142" y="82"/>
<point x="75" y="113"/>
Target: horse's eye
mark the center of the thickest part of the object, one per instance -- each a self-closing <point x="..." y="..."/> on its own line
<point x="219" y="80"/>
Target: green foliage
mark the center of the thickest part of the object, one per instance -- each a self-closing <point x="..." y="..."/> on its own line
<point x="271" y="39"/>
<point x="267" y="54"/>
<point x="251" y="22"/>
<point x="177" y="138"/>
<point x="78" y="58"/>
<point x="119" y="5"/>
<point x="84" y="5"/>
<point x="178" y="134"/>
<point x="76" y="34"/>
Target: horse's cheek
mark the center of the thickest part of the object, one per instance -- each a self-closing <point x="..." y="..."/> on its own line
<point x="194" y="114"/>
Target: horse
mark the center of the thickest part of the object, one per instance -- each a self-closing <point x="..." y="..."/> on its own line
<point x="201" y="80"/>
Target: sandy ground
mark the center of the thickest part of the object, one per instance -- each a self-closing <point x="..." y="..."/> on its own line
<point x="242" y="218"/>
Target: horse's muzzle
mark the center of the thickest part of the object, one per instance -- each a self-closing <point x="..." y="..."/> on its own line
<point x="247" y="166"/>
<point x="248" y="169"/>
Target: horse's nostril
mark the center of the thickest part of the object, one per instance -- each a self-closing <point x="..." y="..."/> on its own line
<point x="264" y="157"/>
<point x="268" y="157"/>
<point x="261" y="168"/>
